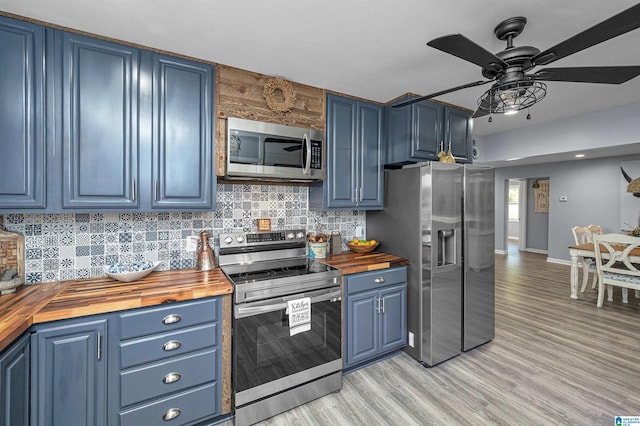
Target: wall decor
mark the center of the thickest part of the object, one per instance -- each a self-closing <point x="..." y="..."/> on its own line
<point x="629" y="201"/>
<point x="288" y="95"/>
<point x="541" y="196"/>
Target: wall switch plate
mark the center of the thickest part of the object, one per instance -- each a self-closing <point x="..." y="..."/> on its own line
<point x="411" y="342"/>
<point x="191" y="244"/>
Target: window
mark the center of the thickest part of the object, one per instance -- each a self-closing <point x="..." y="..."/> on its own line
<point x="514" y="205"/>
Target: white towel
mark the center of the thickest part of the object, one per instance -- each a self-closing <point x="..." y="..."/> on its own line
<point x="299" y="315"/>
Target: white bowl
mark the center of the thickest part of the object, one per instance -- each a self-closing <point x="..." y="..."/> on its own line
<point x="133" y="275"/>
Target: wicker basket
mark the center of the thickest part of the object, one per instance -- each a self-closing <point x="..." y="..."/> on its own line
<point x="362" y="249"/>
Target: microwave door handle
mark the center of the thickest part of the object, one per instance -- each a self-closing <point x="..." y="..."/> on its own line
<point x="307" y="163"/>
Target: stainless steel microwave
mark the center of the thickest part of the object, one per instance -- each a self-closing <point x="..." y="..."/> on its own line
<point x="258" y="150"/>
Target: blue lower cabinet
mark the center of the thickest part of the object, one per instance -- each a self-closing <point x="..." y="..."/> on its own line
<point x="375" y="318"/>
<point x="69" y="382"/>
<point x="14" y="384"/>
<point x="172" y="373"/>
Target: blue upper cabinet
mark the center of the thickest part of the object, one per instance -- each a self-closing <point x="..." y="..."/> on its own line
<point x="100" y="123"/>
<point x="182" y="133"/>
<point x="355" y="148"/>
<point x="414" y="132"/>
<point x="418" y="132"/>
<point x="458" y="133"/>
<point x="22" y="130"/>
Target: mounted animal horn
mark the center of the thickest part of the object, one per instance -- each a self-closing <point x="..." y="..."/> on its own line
<point x="634" y="184"/>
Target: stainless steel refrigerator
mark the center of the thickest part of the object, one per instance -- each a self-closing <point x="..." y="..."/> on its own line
<point x="423" y="221"/>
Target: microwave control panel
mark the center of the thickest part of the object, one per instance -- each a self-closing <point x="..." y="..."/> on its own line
<point x="316" y="154"/>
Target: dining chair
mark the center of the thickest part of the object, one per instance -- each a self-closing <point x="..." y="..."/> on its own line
<point x="582" y="235"/>
<point x="613" y="262"/>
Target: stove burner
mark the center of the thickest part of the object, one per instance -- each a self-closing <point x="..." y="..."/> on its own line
<point x="257" y="275"/>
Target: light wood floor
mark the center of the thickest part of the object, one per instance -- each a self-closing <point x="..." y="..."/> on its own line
<point x="554" y="361"/>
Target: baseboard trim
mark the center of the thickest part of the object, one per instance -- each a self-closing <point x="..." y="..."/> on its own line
<point x="501" y="251"/>
<point x="538" y="251"/>
<point x="559" y="261"/>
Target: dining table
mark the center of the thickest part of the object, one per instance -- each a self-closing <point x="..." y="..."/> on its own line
<point x="579" y="251"/>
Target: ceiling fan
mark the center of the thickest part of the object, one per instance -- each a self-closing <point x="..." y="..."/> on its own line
<point x="514" y="86"/>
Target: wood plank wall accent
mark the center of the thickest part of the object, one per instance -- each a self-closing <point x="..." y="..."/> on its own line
<point x="239" y="94"/>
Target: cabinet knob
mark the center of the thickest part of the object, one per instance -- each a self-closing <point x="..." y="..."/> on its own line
<point x="171" y="378"/>
<point x="171" y="414"/>
<point x="171" y="345"/>
<point x="379" y="280"/>
<point x="171" y="318"/>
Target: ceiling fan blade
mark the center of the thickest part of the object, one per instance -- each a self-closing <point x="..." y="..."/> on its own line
<point x="605" y="75"/>
<point x="479" y="113"/>
<point x="460" y="46"/>
<point x="443" y="92"/>
<point x="619" y="24"/>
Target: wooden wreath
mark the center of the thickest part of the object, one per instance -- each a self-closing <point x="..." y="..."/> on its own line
<point x="288" y="95"/>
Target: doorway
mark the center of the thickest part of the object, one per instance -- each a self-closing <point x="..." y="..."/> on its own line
<point x="517" y="213"/>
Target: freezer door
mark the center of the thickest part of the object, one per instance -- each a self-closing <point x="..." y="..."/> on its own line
<point x="479" y="257"/>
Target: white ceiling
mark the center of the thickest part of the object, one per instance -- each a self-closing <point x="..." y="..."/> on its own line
<point x="373" y="49"/>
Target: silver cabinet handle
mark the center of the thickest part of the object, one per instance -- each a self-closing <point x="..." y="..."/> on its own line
<point x="99" y="346"/>
<point x="133" y="189"/>
<point x="171" y="345"/>
<point x="171" y="319"/>
<point x="360" y="195"/>
<point x="155" y="190"/>
<point x="171" y="414"/>
<point x="382" y="308"/>
<point x="171" y="378"/>
<point x="377" y="304"/>
<point x="379" y="280"/>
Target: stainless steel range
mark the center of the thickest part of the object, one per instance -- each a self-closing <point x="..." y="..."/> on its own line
<point x="287" y="323"/>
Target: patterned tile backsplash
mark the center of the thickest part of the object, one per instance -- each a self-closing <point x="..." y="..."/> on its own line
<point x="71" y="246"/>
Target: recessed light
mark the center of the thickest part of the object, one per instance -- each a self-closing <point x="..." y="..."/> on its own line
<point x="579" y="155"/>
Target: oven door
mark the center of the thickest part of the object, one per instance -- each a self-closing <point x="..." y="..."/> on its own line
<point x="268" y="359"/>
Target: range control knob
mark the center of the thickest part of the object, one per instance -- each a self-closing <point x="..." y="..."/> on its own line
<point x="300" y="235"/>
<point x="240" y="238"/>
<point x="228" y="240"/>
<point x="290" y="236"/>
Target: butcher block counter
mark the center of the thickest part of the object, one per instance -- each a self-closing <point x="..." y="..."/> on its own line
<point x="353" y="263"/>
<point x="69" y="299"/>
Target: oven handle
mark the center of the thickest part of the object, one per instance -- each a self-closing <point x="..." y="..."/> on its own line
<point x="257" y="308"/>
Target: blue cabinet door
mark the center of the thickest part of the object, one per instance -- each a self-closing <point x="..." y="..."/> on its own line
<point x="428" y="131"/>
<point x="69" y="373"/>
<point x="182" y="161"/>
<point x="355" y="147"/>
<point x="14" y="384"/>
<point x="458" y="133"/>
<point x="370" y="156"/>
<point x="22" y="124"/>
<point x="362" y="331"/>
<point x="393" y="318"/>
<point x="415" y="132"/>
<point x="100" y="123"/>
<point x="341" y="171"/>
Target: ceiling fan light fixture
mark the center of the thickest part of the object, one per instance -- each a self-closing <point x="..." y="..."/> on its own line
<point x="510" y="98"/>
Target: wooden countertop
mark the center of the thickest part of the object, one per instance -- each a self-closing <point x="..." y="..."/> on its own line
<point x="352" y="263"/>
<point x="61" y="300"/>
<point x="38" y="303"/>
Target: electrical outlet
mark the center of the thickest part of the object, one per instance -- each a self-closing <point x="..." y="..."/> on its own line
<point x="411" y="342"/>
<point x="191" y="244"/>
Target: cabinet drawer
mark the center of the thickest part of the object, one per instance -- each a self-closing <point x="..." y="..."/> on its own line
<point x="185" y="407"/>
<point x="152" y="381"/>
<point x="375" y="279"/>
<point x="161" y="346"/>
<point x="166" y="318"/>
